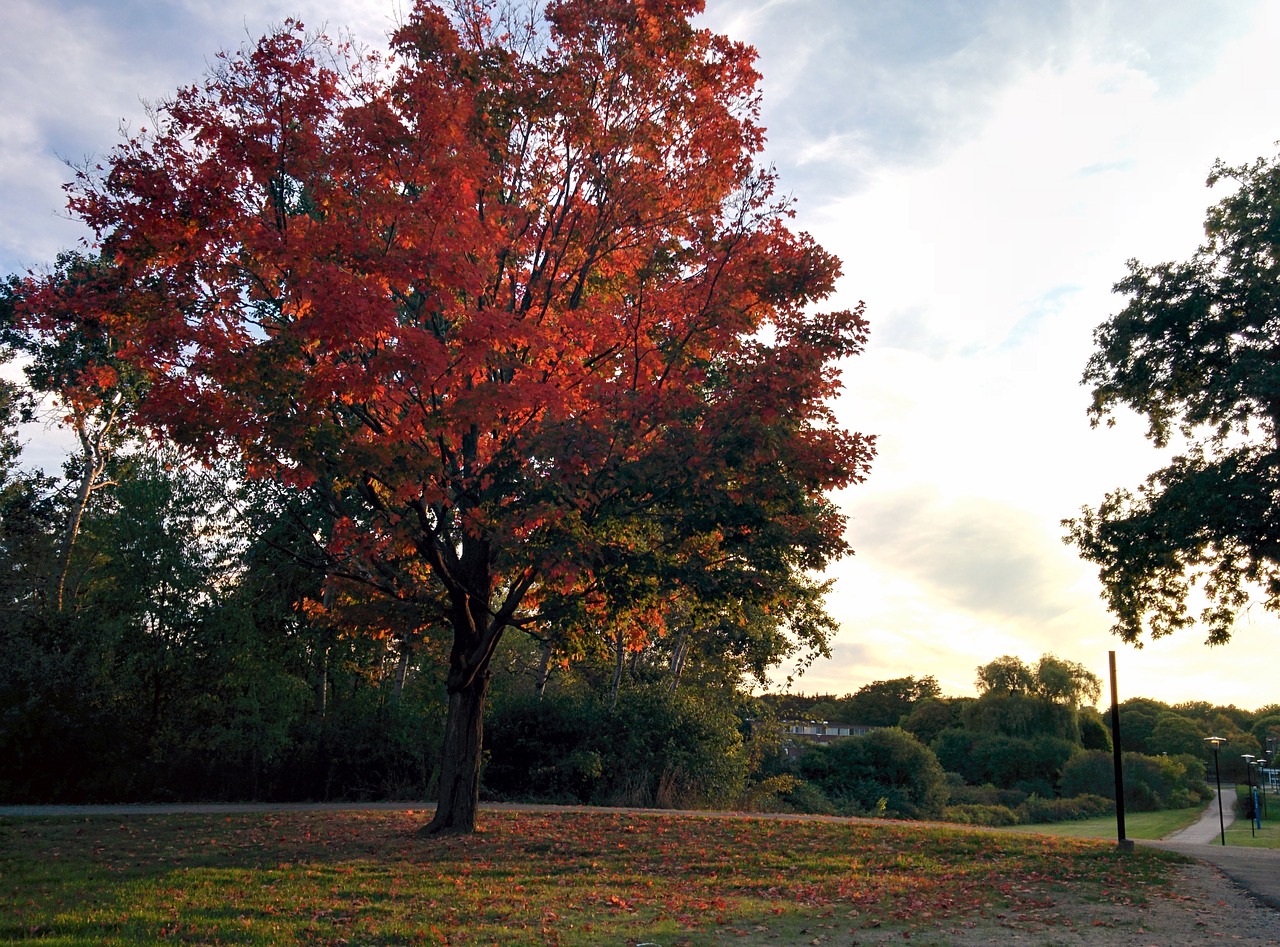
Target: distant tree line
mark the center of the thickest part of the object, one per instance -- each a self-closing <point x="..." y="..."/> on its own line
<point x="1030" y="747"/>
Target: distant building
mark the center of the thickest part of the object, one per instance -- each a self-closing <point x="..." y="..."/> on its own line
<point x="817" y="731"/>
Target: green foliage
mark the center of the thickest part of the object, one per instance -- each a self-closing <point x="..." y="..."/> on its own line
<point x="1029" y="810"/>
<point x="1174" y="735"/>
<point x="806" y="798"/>
<point x="1037" y="809"/>
<point x="1095" y="734"/>
<point x="929" y="717"/>
<point x="1195" y="351"/>
<point x="1004" y="676"/>
<point x="971" y="814"/>
<point x="886" y="703"/>
<point x="1021" y="715"/>
<point x="1032" y="765"/>
<point x="888" y="764"/>
<point x="1150" y="782"/>
<point x="654" y="748"/>
<point x="1052" y="679"/>
<point x="1138" y="718"/>
<point x="1266" y="727"/>
<point x="986" y="794"/>
<point x="182" y="669"/>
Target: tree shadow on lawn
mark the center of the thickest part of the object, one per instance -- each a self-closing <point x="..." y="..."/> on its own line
<point x="536" y="878"/>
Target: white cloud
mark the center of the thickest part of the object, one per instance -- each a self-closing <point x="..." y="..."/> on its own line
<point x="985" y="271"/>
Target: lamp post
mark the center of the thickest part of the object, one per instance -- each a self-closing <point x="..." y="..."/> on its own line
<point x="1260" y="794"/>
<point x="1216" y="742"/>
<point x="1253" y="803"/>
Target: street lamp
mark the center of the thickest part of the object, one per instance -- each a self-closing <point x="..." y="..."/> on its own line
<point x="1216" y="742"/>
<point x="1260" y="792"/>
<point x="1253" y="803"/>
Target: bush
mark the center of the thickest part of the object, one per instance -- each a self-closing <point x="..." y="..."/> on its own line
<point x="1243" y="805"/>
<point x="987" y="795"/>
<point x="1032" y="765"/>
<point x="1037" y="809"/>
<point x="969" y="814"/>
<point x="654" y="749"/>
<point x="886" y="770"/>
<point x="806" y="798"/>
<point x="1150" y="782"/>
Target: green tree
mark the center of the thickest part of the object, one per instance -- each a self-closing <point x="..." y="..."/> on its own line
<point x="61" y="323"/>
<point x="929" y="717"/>
<point x="1138" y="716"/>
<point x="1173" y="735"/>
<point x="1196" y="350"/>
<point x="1066" y="682"/>
<point x="1030" y="764"/>
<point x="1094" y="732"/>
<point x="1266" y="727"/>
<point x="1005" y="675"/>
<point x="885" y="703"/>
<point x="1053" y="679"/>
<point x="1150" y="782"/>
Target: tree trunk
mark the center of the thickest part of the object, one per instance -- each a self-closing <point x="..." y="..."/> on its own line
<point x="89" y="481"/>
<point x="477" y="629"/>
<point x="402" y="668"/>
<point x="619" y="654"/>
<point x="544" y="668"/>
<point x="679" y="652"/>
<point x="459" y="793"/>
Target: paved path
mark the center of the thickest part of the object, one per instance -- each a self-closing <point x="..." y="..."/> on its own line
<point x="1257" y="870"/>
<point x="1208" y="829"/>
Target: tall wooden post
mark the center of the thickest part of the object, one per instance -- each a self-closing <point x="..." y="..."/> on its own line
<point x="1115" y="755"/>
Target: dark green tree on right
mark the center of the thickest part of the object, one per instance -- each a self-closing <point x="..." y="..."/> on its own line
<point x="1196" y="351"/>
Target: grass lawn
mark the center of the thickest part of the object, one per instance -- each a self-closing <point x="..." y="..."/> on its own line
<point x="1137" y="825"/>
<point x="1266" y="837"/>
<point x="529" y="878"/>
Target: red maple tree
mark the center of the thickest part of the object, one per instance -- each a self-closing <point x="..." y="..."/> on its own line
<point x="516" y="297"/>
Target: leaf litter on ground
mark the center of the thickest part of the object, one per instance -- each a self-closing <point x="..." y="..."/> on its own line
<point x="569" y="878"/>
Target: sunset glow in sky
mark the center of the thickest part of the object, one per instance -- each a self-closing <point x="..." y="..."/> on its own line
<point x="983" y="169"/>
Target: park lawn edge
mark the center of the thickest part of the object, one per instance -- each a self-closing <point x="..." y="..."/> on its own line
<point x="562" y="877"/>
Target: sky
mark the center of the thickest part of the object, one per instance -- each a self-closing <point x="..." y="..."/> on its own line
<point x="983" y="168"/>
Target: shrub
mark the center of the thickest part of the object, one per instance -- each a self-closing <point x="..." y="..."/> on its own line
<point x="970" y="814"/>
<point x="768" y="794"/>
<point x="1150" y="782"/>
<point x="987" y="795"/>
<point x="806" y="798"/>
<point x="654" y="749"/>
<point x="886" y="770"/>
<point x="1037" y="809"/>
<point x="1032" y="765"/>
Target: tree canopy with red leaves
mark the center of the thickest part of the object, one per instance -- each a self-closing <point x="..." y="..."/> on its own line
<point x="516" y="298"/>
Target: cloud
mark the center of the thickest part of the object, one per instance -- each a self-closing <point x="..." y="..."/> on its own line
<point x="72" y="74"/>
<point x="971" y="553"/>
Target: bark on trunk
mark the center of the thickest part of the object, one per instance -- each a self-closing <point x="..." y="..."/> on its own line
<point x="402" y="669"/>
<point x="459" y="794"/>
<point x="678" y="654"/>
<point x="619" y="654"/>
<point x="477" y="629"/>
<point x="90" y="478"/>
<point x="544" y="669"/>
